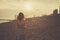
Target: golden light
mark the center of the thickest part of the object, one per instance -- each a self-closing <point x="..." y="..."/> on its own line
<point x="28" y="6"/>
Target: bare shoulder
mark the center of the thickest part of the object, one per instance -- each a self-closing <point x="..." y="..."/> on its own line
<point x="25" y="23"/>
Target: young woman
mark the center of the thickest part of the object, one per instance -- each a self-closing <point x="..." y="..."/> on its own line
<point x="21" y="24"/>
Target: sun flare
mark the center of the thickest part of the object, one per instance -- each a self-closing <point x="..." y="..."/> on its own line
<point x="28" y="6"/>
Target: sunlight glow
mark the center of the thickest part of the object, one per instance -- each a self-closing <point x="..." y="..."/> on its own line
<point x="28" y="6"/>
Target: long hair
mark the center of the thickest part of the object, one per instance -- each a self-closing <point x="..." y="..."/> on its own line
<point x="20" y="16"/>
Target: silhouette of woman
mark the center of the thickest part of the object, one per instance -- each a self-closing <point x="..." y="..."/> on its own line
<point x="21" y="26"/>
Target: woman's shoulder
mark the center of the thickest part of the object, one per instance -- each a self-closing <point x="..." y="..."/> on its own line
<point x="24" y="21"/>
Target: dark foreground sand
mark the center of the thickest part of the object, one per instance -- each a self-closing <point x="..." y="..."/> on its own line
<point x="39" y="28"/>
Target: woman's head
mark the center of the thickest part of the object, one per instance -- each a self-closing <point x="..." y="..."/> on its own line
<point x="20" y="16"/>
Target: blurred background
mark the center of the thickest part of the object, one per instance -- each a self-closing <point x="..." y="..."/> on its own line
<point x="10" y="8"/>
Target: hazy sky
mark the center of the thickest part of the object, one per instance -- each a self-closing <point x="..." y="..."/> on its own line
<point x="10" y="8"/>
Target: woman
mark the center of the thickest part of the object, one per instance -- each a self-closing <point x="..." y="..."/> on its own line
<point x="21" y="24"/>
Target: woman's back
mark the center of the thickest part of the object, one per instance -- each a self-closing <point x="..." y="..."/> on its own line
<point x="20" y="27"/>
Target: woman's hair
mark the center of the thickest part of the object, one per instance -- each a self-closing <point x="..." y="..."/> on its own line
<point x="20" y="16"/>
